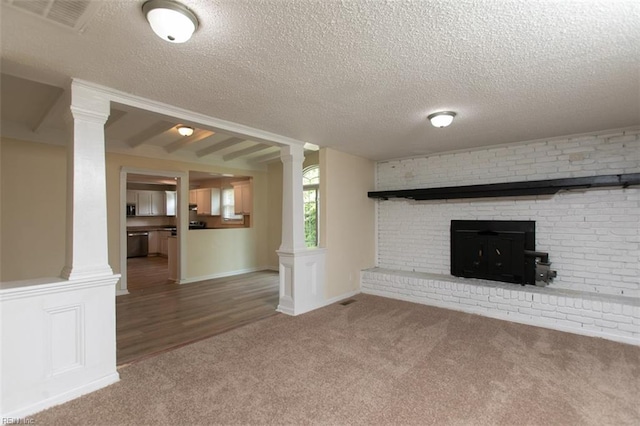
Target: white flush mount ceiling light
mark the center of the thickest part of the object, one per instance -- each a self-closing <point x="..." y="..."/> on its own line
<point x="185" y="130"/>
<point x="170" y="20"/>
<point x="441" y="118"/>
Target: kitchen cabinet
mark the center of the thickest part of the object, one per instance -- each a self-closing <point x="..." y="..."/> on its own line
<point x="158" y="244"/>
<point x="193" y="196"/>
<point x="171" y="202"/>
<point x="173" y="258"/>
<point x="164" y="242"/>
<point x="208" y="201"/>
<point x="151" y="203"/>
<point x="242" y="197"/>
<point x="132" y="196"/>
<point x="154" y="242"/>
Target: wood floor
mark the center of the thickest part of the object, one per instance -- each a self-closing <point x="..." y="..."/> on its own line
<point x="145" y="272"/>
<point x="156" y="317"/>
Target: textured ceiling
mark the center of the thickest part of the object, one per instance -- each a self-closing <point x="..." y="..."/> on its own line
<point x="361" y="76"/>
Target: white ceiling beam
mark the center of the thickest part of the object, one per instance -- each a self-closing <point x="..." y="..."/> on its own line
<point x="246" y="151"/>
<point x="227" y="143"/>
<point x="197" y="136"/>
<point x="154" y="130"/>
<point x="54" y="97"/>
<point x="267" y="157"/>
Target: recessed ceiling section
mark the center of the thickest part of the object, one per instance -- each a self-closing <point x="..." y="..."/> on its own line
<point x="196" y="139"/>
<point x="212" y="139"/>
<point x="245" y="151"/>
<point x="218" y="147"/>
<point x="268" y="156"/>
<point x="149" y="133"/>
<point x="35" y="111"/>
<point x="28" y="102"/>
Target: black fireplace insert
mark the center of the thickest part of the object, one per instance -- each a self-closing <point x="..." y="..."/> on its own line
<point x="495" y="250"/>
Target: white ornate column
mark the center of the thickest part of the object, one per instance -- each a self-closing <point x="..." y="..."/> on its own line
<point x="87" y="249"/>
<point x="292" y="201"/>
<point x="301" y="269"/>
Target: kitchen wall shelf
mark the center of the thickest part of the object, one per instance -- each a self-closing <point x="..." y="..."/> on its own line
<point x="510" y="189"/>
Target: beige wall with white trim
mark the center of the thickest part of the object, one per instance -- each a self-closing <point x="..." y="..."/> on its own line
<point x="347" y="219"/>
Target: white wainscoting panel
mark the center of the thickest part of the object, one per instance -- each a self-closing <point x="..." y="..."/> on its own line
<point x="65" y="339"/>
<point x="57" y="343"/>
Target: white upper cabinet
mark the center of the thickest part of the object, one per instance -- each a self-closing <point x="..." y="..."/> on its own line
<point x="172" y="201"/>
<point x="208" y="201"/>
<point x="151" y="203"/>
<point x="243" y="197"/>
<point x="132" y="196"/>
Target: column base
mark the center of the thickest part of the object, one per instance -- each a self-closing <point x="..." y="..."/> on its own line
<point x="302" y="280"/>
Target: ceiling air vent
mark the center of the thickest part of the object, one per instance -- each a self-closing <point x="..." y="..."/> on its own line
<point x="71" y="14"/>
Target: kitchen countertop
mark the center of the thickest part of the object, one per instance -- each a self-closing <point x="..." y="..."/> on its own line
<point x="160" y="228"/>
<point x="150" y="228"/>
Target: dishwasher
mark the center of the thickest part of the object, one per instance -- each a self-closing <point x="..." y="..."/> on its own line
<point x="137" y="244"/>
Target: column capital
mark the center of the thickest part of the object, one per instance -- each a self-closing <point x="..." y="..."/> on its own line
<point x="79" y="113"/>
<point x="87" y="100"/>
<point x="292" y="153"/>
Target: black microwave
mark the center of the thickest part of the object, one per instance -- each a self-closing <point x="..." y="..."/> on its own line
<point x="131" y="209"/>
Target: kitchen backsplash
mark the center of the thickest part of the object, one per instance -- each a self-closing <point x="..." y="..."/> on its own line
<point x="151" y="221"/>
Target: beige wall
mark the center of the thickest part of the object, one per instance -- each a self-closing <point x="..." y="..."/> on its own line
<point x="347" y="219"/>
<point x="33" y="214"/>
<point x="220" y="251"/>
<point x="33" y="202"/>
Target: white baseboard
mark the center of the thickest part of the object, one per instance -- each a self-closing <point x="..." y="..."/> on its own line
<point x="122" y="292"/>
<point x="62" y="398"/>
<point x="220" y="275"/>
<point x="284" y="310"/>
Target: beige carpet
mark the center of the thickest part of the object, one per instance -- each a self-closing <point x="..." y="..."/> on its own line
<point x="376" y="361"/>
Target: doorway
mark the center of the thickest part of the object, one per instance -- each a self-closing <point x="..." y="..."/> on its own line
<point x="151" y="224"/>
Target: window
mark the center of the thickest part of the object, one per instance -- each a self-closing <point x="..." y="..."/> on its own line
<point x="311" y="186"/>
<point x="228" y="206"/>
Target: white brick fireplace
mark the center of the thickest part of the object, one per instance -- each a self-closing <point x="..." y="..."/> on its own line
<point x="591" y="235"/>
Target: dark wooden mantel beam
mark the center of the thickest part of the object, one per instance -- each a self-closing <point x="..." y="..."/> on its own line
<point x="510" y="189"/>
